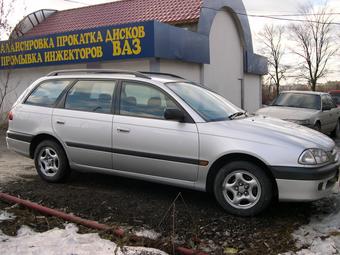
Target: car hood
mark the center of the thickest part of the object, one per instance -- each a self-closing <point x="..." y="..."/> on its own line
<point x="287" y="113"/>
<point x="267" y="130"/>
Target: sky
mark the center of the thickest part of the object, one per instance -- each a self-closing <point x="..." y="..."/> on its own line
<point x="256" y="7"/>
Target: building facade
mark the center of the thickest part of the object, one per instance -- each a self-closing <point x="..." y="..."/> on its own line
<point x="207" y="41"/>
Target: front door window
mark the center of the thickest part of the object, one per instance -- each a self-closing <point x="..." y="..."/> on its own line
<point x="141" y="100"/>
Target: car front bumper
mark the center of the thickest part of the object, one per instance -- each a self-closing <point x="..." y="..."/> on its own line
<point x="306" y="184"/>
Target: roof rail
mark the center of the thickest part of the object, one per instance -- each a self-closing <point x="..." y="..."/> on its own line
<point x="165" y="74"/>
<point x="99" y="71"/>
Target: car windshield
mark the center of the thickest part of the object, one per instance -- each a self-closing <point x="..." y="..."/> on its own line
<point x="298" y="100"/>
<point x="209" y="105"/>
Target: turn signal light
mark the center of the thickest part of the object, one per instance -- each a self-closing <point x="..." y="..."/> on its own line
<point x="10" y="116"/>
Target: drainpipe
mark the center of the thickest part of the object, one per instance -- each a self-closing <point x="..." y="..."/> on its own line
<point x="242" y="92"/>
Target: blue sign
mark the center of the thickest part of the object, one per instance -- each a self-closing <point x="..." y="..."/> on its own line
<point x="135" y="40"/>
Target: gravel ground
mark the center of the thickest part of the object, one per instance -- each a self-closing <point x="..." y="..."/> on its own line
<point x="199" y="221"/>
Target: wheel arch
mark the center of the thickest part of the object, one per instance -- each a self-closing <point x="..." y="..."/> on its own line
<point x="220" y="162"/>
<point x="41" y="137"/>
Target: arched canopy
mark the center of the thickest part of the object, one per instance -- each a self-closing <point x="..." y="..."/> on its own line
<point x="253" y="63"/>
<point x="30" y="21"/>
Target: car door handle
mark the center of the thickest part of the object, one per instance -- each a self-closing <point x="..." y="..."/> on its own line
<point x="123" y="130"/>
<point x="60" y="122"/>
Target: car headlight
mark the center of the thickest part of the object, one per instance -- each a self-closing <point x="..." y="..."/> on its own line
<point x="302" y="122"/>
<point x="313" y="157"/>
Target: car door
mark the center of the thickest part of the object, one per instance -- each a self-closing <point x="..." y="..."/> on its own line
<point x="327" y="120"/>
<point x="84" y="123"/>
<point x="145" y="143"/>
<point x="334" y="114"/>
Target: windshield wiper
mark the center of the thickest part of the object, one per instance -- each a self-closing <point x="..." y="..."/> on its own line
<point x="237" y="114"/>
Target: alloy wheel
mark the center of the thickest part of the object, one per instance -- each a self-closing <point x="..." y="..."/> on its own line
<point x="241" y="189"/>
<point x="48" y="161"/>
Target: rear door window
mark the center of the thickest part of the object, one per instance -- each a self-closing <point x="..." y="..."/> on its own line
<point x="331" y="101"/>
<point x="326" y="102"/>
<point x="91" y="96"/>
<point x="47" y="93"/>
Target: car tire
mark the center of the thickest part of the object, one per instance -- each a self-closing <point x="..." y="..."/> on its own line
<point x="336" y="131"/>
<point x="243" y="188"/>
<point x="51" y="161"/>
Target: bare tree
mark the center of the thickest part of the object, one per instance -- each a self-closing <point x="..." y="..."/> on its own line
<point x="6" y="6"/>
<point x="271" y="38"/>
<point x="4" y="88"/>
<point x="314" y="43"/>
<point x="5" y="10"/>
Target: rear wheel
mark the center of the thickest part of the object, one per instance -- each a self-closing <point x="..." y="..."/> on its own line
<point x="243" y="188"/>
<point x="51" y="161"/>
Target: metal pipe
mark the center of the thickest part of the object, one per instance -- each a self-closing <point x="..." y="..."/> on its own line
<point x="53" y="212"/>
<point x="75" y="219"/>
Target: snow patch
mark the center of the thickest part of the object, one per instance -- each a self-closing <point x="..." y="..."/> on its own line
<point x="147" y="234"/>
<point x="6" y="216"/>
<point x="65" y="242"/>
<point x="321" y="235"/>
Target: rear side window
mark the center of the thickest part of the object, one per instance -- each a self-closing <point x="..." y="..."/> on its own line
<point x="47" y="93"/>
<point x="326" y="102"/>
<point x="91" y="96"/>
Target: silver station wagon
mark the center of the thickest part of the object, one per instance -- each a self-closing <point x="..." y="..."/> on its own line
<point x="162" y="128"/>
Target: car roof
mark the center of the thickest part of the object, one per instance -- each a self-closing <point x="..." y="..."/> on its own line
<point x="166" y="78"/>
<point x="114" y="73"/>
<point x="305" y="92"/>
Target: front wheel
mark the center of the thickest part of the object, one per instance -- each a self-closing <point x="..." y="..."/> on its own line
<point x="51" y="161"/>
<point x="243" y="188"/>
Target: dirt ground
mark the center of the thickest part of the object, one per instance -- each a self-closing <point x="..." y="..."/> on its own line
<point x="199" y="221"/>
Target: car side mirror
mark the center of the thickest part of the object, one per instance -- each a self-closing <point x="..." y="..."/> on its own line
<point x="174" y="114"/>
